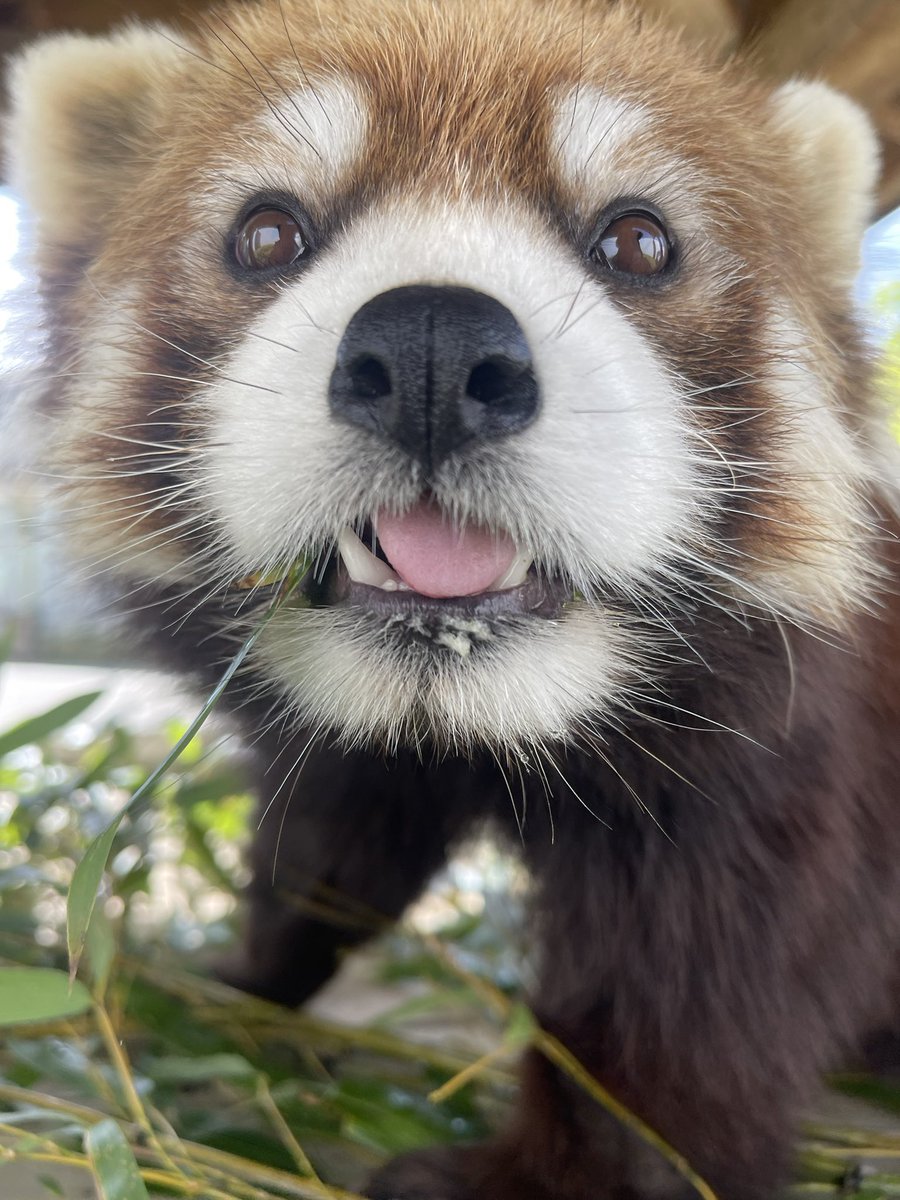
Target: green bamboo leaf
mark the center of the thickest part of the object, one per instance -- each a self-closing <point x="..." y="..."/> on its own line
<point x="84" y="888"/>
<point x="178" y="1069"/>
<point x="101" y="952"/>
<point x="454" y="999"/>
<point x="101" y="756"/>
<point x="35" y="729"/>
<point x="382" y="1119"/>
<point x="520" y="1029"/>
<point x="88" y="874"/>
<point x="115" y="1167"/>
<point x="29" y="994"/>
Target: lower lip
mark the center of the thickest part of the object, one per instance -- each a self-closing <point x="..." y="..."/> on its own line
<point x="536" y="597"/>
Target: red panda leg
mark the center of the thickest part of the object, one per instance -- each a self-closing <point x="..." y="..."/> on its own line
<point x="337" y="858"/>
<point x="565" y="1146"/>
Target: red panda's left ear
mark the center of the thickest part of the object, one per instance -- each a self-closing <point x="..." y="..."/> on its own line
<point x="81" y="126"/>
<point x="835" y="148"/>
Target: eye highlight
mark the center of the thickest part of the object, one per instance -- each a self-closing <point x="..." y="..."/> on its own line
<point x="634" y="243"/>
<point x="269" y="238"/>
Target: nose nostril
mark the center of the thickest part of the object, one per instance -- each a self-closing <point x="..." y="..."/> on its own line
<point x="496" y="380"/>
<point x="434" y="370"/>
<point x="369" y="378"/>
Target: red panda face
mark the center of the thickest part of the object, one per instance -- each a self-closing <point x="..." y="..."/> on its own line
<point x="527" y="333"/>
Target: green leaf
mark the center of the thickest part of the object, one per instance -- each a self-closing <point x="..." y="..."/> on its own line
<point x="84" y="888"/>
<point x="252" y="1145"/>
<point x="195" y="843"/>
<point x="35" y="729"/>
<point x="387" y="1118"/>
<point x="50" y="1059"/>
<point x="871" y="1088"/>
<point x="178" y="1069"/>
<point x="213" y="789"/>
<point x="114" y="1164"/>
<point x="103" y="755"/>
<point x="520" y="1028"/>
<point x="454" y="999"/>
<point x="101" y="952"/>
<point x="30" y="994"/>
<point x="89" y="872"/>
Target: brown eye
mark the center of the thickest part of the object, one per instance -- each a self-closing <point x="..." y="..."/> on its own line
<point x="270" y="237"/>
<point x="634" y="244"/>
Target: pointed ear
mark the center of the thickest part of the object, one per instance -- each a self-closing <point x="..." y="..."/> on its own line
<point x="81" y="125"/>
<point x="835" y="149"/>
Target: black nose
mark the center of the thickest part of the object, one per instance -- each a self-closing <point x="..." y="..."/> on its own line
<point x="433" y="368"/>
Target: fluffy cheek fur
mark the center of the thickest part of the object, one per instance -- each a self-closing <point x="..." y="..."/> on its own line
<point x="600" y="490"/>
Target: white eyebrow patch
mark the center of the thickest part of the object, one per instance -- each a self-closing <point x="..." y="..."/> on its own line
<point x="607" y="147"/>
<point x="589" y="127"/>
<point x="302" y="142"/>
<point x="324" y="123"/>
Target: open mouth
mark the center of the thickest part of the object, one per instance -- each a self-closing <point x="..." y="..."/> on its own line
<point x="420" y="551"/>
<point x="419" y="563"/>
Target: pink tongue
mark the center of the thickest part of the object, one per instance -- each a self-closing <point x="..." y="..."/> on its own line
<point x="434" y="559"/>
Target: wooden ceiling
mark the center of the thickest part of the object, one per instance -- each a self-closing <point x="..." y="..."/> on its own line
<point x="853" y="44"/>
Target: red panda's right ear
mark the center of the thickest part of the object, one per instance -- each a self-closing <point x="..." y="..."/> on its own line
<point x="81" y="128"/>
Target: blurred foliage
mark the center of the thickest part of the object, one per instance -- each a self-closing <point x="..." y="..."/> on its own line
<point x="264" y="1102"/>
<point x="152" y="1079"/>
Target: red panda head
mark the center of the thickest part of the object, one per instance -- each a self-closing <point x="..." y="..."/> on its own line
<point x="522" y="325"/>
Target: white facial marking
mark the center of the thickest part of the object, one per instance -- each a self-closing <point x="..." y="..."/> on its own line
<point x="302" y="145"/>
<point x="327" y="120"/>
<point x="827" y="470"/>
<point x="602" y="485"/>
<point x="607" y="147"/>
<point x="601" y="488"/>
<point x="339" y="675"/>
<point x="590" y="127"/>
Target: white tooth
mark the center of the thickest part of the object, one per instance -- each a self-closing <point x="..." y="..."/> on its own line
<point x="362" y="566"/>
<point x="515" y="574"/>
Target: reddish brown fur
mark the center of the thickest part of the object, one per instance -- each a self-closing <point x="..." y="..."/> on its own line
<point x="477" y="127"/>
<point x="706" y="964"/>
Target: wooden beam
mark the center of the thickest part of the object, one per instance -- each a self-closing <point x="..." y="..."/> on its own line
<point x="758" y="13"/>
<point x="801" y="34"/>
<point x="853" y="45"/>
<point x="716" y="23"/>
<point x="95" y="16"/>
<point x="868" y="65"/>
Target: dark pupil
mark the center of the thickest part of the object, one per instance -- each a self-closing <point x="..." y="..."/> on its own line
<point x="635" y="244"/>
<point x="270" y="239"/>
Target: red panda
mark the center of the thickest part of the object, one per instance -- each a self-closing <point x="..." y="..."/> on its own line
<point x="530" y="335"/>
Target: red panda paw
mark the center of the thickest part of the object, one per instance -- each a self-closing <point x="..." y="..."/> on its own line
<point x="455" y="1173"/>
<point x="426" y="1175"/>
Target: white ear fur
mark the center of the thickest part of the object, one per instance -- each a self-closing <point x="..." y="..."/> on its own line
<point x="82" y="112"/>
<point x="837" y="151"/>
